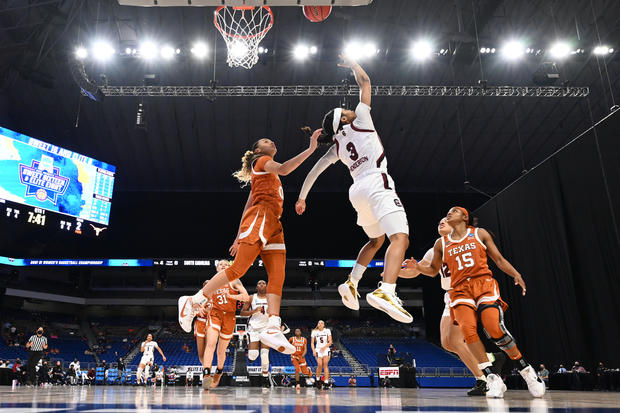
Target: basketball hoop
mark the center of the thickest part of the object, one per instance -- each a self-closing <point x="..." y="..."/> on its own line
<point x="243" y="28"/>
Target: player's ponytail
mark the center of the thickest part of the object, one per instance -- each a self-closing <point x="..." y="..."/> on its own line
<point x="327" y="136"/>
<point x="244" y="175"/>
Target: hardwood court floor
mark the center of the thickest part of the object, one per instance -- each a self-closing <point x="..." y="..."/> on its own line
<point x="112" y="399"/>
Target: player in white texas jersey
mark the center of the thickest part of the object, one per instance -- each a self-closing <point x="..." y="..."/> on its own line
<point x="256" y="309"/>
<point x="355" y="142"/>
<point x="148" y="348"/>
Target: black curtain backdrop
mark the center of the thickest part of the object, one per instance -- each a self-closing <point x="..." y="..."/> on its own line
<point x="558" y="225"/>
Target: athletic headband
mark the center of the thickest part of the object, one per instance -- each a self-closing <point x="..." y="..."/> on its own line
<point x="464" y="211"/>
<point x="336" y="121"/>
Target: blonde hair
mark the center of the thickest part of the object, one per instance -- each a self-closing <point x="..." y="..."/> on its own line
<point x="317" y="325"/>
<point x="244" y="175"/>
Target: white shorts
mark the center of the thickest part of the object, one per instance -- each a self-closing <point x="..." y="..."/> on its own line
<point x="323" y="353"/>
<point x="254" y="334"/>
<point x="145" y="360"/>
<point x="446" y="309"/>
<point x="372" y="202"/>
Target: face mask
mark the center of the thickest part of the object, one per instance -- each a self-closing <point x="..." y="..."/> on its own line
<point x="40" y="332"/>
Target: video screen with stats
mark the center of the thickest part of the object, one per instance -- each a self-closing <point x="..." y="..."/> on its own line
<point x="43" y="177"/>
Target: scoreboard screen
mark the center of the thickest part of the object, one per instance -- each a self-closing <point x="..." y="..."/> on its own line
<point x="46" y="177"/>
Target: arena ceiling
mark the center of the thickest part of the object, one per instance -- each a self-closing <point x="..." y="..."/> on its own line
<point x="193" y="144"/>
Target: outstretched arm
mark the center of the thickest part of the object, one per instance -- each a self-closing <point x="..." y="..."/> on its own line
<point x="433" y="268"/>
<point x="501" y="262"/>
<point x="330" y="157"/>
<point x="361" y="77"/>
<point x="289" y="166"/>
<point x="243" y="294"/>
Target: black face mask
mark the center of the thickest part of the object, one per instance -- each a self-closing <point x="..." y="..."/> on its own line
<point x="40" y="332"/>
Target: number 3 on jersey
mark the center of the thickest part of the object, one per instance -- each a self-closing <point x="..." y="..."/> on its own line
<point x="352" y="151"/>
<point x="467" y="260"/>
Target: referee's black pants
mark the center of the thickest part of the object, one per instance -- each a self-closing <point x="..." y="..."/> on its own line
<point x="33" y="359"/>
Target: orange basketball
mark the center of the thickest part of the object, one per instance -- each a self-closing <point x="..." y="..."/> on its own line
<point x="317" y="13"/>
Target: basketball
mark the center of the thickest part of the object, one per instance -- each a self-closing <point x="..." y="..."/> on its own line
<point x="317" y="13"/>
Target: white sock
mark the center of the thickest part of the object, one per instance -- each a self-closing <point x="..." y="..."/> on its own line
<point x="483" y="378"/>
<point x="389" y="288"/>
<point x="357" y="273"/>
<point x="199" y="298"/>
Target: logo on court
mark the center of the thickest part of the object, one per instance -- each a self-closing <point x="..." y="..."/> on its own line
<point x="43" y="180"/>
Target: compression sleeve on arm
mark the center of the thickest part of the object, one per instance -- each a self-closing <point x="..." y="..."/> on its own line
<point x="330" y="157"/>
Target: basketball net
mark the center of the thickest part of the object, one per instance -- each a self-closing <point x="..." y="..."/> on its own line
<point x="243" y="28"/>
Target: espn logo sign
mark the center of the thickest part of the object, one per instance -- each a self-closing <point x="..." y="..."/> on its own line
<point x="389" y="372"/>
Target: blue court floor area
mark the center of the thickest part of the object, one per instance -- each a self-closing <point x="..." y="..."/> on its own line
<point x="283" y="400"/>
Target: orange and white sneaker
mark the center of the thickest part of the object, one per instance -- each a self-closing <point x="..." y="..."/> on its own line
<point x="349" y="294"/>
<point x="273" y="337"/>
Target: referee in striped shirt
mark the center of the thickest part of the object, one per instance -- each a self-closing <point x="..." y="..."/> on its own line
<point x="36" y="344"/>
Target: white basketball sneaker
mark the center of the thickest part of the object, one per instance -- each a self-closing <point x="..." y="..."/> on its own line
<point x="534" y="383"/>
<point x="389" y="303"/>
<point x="495" y="387"/>
<point x="186" y="313"/>
<point x="349" y="294"/>
<point x="273" y="337"/>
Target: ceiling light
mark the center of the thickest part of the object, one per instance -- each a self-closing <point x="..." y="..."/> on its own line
<point x="301" y="52"/>
<point x="199" y="50"/>
<point x="421" y="50"/>
<point x="81" y="53"/>
<point x="513" y="50"/>
<point x="559" y="50"/>
<point x="102" y="50"/>
<point x="167" y="52"/>
<point x="148" y="50"/>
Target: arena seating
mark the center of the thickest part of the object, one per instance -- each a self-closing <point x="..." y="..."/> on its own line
<point x="365" y="350"/>
<point x="176" y="356"/>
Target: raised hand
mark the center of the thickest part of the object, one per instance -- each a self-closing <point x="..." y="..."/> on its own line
<point x="300" y="206"/>
<point x="347" y="62"/>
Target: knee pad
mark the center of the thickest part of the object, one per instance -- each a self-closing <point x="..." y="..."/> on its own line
<point x="264" y="359"/>
<point x="502" y="337"/>
<point x="252" y="355"/>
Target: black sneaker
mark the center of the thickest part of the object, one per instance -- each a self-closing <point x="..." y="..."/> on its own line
<point x="265" y="382"/>
<point x="318" y="384"/>
<point x="498" y="364"/>
<point x="479" y="389"/>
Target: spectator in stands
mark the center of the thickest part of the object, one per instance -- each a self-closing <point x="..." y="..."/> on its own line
<point x="189" y="378"/>
<point x="600" y="375"/>
<point x="72" y="375"/>
<point x="578" y="368"/>
<point x="91" y="376"/>
<point x="17" y="371"/>
<point x="352" y="381"/>
<point x="58" y="375"/>
<point x="44" y="373"/>
<point x="543" y="373"/>
<point x="76" y="366"/>
<point x="120" y="365"/>
<point x="391" y="354"/>
<point x="562" y="369"/>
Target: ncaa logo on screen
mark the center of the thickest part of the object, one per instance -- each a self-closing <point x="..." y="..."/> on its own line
<point x="43" y="180"/>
